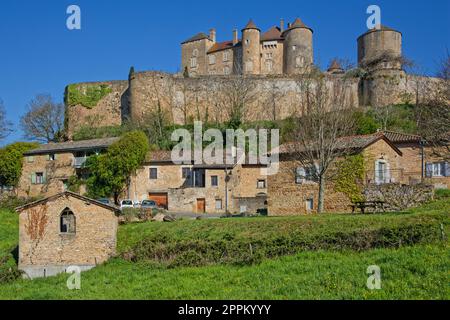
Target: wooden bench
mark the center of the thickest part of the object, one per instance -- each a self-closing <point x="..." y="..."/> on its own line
<point x="363" y="205"/>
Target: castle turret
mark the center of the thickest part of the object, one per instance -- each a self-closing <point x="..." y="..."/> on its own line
<point x="380" y="48"/>
<point x="380" y="54"/>
<point x="251" y="37"/>
<point x="298" y="48"/>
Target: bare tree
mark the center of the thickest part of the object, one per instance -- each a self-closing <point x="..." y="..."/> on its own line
<point x="44" y="119"/>
<point x="5" y="125"/>
<point x="324" y="109"/>
<point x="236" y="94"/>
<point x="434" y="116"/>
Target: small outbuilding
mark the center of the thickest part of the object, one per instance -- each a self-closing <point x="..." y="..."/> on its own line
<point x="65" y="230"/>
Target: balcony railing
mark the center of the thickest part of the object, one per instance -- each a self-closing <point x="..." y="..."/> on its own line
<point x="78" y="162"/>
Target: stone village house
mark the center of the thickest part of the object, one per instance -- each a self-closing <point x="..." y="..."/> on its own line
<point x="399" y="158"/>
<point x="389" y="158"/>
<point x="221" y="188"/>
<point x="188" y="188"/>
<point x="65" y="230"/>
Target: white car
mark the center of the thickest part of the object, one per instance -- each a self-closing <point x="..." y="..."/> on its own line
<point x="127" y="203"/>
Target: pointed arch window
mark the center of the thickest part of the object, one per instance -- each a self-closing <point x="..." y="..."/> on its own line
<point x="67" y="222"/>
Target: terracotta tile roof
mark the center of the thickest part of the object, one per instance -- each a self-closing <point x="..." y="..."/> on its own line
<point x="273" y="33"/>
<point x="67" y="194"/>
<point x="198" y="36"/>
<point x="83" y="145"/>
<point x="398" y="137"/>
<point x="251" y="25"/>
<point x="350" y="143"/>
<point x="218" y="46"/>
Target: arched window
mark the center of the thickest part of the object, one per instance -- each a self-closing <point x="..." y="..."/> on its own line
<point x="67" y="222"/>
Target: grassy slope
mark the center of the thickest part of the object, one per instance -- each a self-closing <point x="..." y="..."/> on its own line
<point x="419" y="272"/>
<point x="258" y="228"/>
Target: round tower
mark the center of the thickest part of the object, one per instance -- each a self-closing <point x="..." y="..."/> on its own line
<point x="251" y="60"/>
<point x="298" y="48"/>
<point x="380" y="48"/>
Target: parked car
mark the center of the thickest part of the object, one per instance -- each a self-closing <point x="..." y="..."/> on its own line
<point x="104" y="200"/>
<point x="149" y="204"/>
<point x="127" y="203"/>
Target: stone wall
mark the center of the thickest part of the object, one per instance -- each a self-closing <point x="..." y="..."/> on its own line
<point x="93" y="243"/>
<point x="110" y="111"/>
<point x="398" y="197"/>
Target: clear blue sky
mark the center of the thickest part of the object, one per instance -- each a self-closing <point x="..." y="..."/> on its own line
<point x="38" y="54"/>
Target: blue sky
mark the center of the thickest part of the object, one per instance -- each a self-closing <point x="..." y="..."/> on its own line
<point x="38" y="54"/>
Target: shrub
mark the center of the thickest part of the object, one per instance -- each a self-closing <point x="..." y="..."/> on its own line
<point x="243" y="251"/>
<point x="89" y="98"/>
<point x="12" y="202"/>
<point x="11" y="158"/>
<point x="442" y="194"/>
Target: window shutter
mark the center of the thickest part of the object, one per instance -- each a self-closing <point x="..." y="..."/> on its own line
<point x="428" y="170"/>
<point x="446" y="169"/>
<point x="44" y="177"/>
<point x="55" y="156"/>
<point x="48" y="157"/>
<point x="33" y="178"/>
<point x="377" y="172"/>
<point x="388" y="173"/>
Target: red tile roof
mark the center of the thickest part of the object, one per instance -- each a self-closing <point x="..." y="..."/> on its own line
<point x="273" y="33"/>
<point x="218" y="46"/>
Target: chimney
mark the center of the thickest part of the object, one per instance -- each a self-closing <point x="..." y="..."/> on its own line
<point x="289" y="25"/>
<point x="282" y="25"/>
<point x="212" y="34"/>
<point x="235" y="37"/>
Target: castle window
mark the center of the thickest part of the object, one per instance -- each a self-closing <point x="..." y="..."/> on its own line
<point x="269" y="55"/>
<point x="247" y="41"/>
<point x="261" y="184"/>
<point x="214" y="181"/>
<point x="193" y="62"/>
<point x="294" y="48"/>
<point x="226" y="70"/>
<point x="67" y="222"/>
<point x="249" y="66"/>
<point x="37" y="178"/>
<point x="299" y="62"/>
<point x="212" y="59"/>
<point x="195" y="53"/>
<point x="218" y="204"/>
<point x="269" y="65"/>
<point x="225" y="56"/>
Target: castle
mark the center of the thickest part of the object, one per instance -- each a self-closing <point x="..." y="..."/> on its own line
<point x="278" y="51"/>
<point x="269" y="62"/>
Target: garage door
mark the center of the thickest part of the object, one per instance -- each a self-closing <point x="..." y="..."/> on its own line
<point x="160" y="199"/>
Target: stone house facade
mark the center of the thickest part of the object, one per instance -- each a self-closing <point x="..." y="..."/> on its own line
<point x="65" y="230"/>
<point x="292" y="192"/>
<point x="47" y="169"/>
<point x="199" y="188"/>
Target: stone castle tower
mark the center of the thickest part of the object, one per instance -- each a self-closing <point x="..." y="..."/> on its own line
<point x="251" y="38"/>
<point x="298" y="48"/>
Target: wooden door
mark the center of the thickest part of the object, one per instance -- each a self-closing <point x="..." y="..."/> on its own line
<point x="201" y="205"/>
<point x="161" y="199"/>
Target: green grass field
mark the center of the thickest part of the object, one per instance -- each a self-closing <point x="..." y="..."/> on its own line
<point x="418" y="270"/>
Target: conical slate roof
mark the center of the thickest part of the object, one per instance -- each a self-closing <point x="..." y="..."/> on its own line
<point x="250" y="25"/>
<point x="379" y="28"/>
<point x="297" y="24"/>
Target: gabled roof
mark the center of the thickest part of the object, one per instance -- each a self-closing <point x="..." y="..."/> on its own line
<point x="273" y="33"/>
<point x="198" y="36"/>
<point x="350" y="144"/>
<point x="71" y="146"/>
<point x="398" y="137"/>
<point x="251" y="25"/>
<point x="218" y="46"/>
<point x="67" y="194"/>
